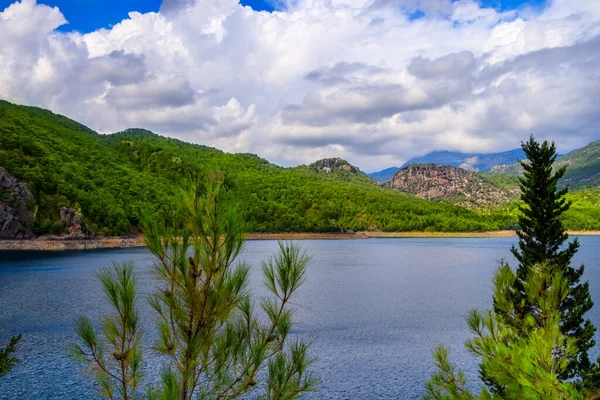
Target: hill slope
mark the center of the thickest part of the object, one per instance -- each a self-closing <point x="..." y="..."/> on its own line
<point x="583" y="169"/>
<point x="117" y="179"/>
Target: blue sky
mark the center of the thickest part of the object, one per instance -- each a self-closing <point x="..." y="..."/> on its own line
<point x="88" y="15"/>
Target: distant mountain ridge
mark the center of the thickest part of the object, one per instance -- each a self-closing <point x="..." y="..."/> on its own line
<point x="476" y="162"/>
<point x="384" y="175"/>
<point x="462" y="185"/>
<point x="583" y="168"/>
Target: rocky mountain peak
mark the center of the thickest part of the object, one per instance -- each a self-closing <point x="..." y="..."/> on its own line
<point x="457" y="185"/>
<point x="329" y="165"/>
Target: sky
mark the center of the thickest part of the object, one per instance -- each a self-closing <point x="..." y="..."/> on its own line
<point x="373" y="81"/>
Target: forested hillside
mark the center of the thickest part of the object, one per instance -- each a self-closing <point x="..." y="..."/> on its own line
<point x="116" y="179"/>
<point x="583" y="169"/>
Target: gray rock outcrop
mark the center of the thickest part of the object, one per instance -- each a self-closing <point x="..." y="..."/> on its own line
<point x="73" y="225"/>
<point x="16" y="208"/>
<point x="456" y="185"/>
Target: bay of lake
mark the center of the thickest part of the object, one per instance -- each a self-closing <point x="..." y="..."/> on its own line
<point x="375" y="308"/>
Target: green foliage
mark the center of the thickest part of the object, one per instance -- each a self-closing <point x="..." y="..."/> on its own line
<point x="522" y="353"/>
<point x="209" y="328"/>
<point x="66" y="164"/>
<point x="504" y="181"/>
<point x="541" y="240"/>
<point x="7" y="359"/>
<point x="117" y="179"/>
<point x="114" y="360"/>
<point x="583" y="214"/>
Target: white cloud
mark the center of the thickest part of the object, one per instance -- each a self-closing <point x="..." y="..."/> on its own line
<point x="374" y="81"/>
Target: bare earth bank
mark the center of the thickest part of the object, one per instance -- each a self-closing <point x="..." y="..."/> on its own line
<point x="54" y="243"/>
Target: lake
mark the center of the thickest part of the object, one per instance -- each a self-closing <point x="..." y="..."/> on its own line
<point x="376" y="308"/>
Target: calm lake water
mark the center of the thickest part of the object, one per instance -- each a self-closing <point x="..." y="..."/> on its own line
<point x="376" y="308"/>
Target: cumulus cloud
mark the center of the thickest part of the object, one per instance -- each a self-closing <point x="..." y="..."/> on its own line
<point x="344" y="73"/>
<point x="454" y="66"/>
<point x="116" y="68"/>
<point x="162" y="92"/>
<point x="376" y="81"/>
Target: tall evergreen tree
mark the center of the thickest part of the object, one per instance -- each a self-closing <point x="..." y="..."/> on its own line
<point x="522" y="354"/>
<point x="542" y="239"/>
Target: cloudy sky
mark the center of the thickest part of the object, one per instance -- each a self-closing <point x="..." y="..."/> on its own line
<point x="373" y="81"/>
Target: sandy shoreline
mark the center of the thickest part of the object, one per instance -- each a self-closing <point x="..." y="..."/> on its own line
<point x="53" y="244"/>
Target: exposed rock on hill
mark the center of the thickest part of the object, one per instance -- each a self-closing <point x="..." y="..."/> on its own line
<point x="338" y="169"/>
<point x="330" y="165"/>
<point x="16" y="211"/>
<point x="431" y="181"/>
<point x="73" y="225"/>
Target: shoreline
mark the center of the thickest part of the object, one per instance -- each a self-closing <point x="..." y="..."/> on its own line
<point x="56" y="244"/>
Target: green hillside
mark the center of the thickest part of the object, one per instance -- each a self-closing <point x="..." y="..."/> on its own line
<point x="583" y="169"/>
<point x="116" y="179"/>
<point x="583" y="166"/>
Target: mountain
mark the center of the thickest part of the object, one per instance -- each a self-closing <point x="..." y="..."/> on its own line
<point x="583" y="168"/>
<point x="452" y="184"/>
<point x="115" y="181"/>
<point x="477" y="162"/>
<point x="60" y="177"/>
<point x="333" y="165"/>
<point x="339" y="169"/>
<point x="384" y="175"/>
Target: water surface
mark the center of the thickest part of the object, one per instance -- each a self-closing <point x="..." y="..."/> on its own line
<point x="376" y="309"/>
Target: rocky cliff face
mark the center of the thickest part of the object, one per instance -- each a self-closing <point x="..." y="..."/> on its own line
<point x="16" y="210"/>
<point x="465" y="188"/>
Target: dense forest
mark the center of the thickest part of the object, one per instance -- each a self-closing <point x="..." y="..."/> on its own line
<point x="116" y="180"/>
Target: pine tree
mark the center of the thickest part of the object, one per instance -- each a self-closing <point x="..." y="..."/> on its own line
<point x="524" y="358"/>
<point x="541" y="240"/>
<point x="113" y="359"/>
<point x="7" y="360"/>
<point x="215" y="341"/>
<point x="209" y="329"/>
